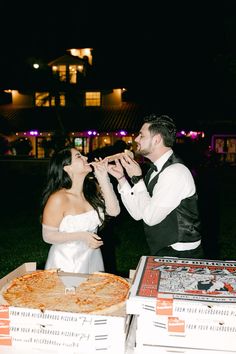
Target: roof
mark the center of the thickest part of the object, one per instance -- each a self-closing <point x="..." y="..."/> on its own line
<point x="127" y="117"/>
<point x="67" y="59"/>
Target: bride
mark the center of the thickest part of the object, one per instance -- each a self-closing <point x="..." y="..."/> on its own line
<point x="75" y="205"/>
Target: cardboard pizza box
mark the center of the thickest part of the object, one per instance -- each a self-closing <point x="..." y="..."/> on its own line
<point x="139" y="343"/>
<point x="150" y="349"/>
<point x="27" y="328"/>
<point x="201" y="334"/>
<point x="172" y="312"/>
<point x="183" y="287"/>
<point x="21" y="270"/>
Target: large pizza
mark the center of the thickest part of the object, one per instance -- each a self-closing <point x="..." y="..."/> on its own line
<point x="99" y="293"/>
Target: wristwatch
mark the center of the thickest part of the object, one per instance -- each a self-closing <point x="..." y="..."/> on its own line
<point x="135" y="179"/>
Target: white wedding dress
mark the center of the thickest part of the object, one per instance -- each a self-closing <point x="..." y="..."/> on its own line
<point x="76" y="256"/>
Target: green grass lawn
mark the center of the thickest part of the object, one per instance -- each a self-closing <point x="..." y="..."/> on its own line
<point x="21" y="240"/>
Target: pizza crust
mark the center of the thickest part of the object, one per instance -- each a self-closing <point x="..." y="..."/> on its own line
<point x="99" y="293"/>
<point x="120" y="155"/>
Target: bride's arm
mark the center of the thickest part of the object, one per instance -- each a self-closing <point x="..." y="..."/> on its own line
<point x="52" y="217"/>
<point x="53" y="236"/>
<point x="111" y="201"/>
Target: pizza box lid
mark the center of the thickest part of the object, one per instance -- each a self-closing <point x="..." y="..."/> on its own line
<point x="21" y="270"/>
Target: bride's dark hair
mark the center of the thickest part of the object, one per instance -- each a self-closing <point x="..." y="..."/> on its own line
<point x="58" y="178"/>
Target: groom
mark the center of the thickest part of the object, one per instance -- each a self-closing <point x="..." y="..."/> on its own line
<point x="166" y="199"/>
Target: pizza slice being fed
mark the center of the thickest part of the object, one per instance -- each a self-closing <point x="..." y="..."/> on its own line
<point x="120" y="155"/>
<point x="99" y="293"/>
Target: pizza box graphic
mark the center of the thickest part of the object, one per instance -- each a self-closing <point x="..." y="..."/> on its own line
<point x="183" y="287"/>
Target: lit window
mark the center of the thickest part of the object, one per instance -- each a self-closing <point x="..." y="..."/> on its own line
<point x="62" y="99"/>
<point x="53" y="101"/>
<point x="73" y="74"/>
<point x="62" y="72"/>
<point x="42" y="99"/>
<point x="93" y="99"/>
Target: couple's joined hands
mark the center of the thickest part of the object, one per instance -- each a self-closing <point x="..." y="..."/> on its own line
<point x="116" y="169"/>
<point x="126" y="163"/>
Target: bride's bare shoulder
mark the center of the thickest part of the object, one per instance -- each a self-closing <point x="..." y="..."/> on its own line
<point x="58" y="197"/>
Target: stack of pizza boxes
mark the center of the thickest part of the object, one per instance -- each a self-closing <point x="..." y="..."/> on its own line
<point x="32" y="330"/>
<point x="183" y="305"/>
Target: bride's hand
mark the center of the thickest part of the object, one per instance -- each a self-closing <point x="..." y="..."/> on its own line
<point x="100" y="168"/>
<point x="92" y="240"/>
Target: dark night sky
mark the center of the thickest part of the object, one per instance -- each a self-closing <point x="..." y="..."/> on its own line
<point x="181" y="53"/>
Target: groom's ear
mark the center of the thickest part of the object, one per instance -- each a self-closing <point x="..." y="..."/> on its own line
<point x="157" y="138"/>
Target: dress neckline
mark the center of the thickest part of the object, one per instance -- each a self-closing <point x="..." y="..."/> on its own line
<point x="86" y="212"/>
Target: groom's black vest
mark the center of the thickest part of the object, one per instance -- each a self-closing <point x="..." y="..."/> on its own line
<point x="181" y="225"/>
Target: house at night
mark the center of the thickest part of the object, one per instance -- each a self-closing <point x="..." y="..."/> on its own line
<point x="68" y="99"/>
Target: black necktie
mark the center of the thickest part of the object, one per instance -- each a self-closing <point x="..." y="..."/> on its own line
<point x="149" y="172"/>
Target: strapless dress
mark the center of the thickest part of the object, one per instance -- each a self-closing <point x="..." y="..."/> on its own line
<point x="76" y="256"/>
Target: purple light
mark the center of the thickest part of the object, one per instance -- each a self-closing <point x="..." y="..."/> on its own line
<point x="193" y="135"/>
<point x="122" y="132"/>
<point x="181" y="134"/>
<point x="33" y="132"/>
<point x="90" y="132"/>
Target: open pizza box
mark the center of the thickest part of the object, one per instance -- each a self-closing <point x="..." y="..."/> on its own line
<point x="57" y="330"/>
